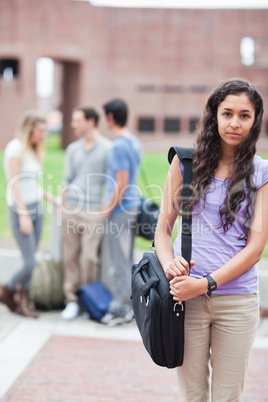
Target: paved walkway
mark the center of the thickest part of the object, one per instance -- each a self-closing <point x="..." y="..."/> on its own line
<point x="52" y="360"/>
<point x="49" y="359"/>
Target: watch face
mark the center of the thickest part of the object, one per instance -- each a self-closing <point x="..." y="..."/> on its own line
<point x="213" y="285"/>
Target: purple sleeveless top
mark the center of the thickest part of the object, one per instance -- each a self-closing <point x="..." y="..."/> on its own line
<point x="210" y="247"/>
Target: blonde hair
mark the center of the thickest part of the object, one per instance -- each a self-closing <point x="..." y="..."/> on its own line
<point x="26" y="125"/>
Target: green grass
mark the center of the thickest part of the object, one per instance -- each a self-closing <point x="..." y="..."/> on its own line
<point x="154" y="164"/>
<point x="53" y="171"/>
<point x="156" y="167"/>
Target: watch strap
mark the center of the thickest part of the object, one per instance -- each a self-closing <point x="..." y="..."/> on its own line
<point x="212" y="284"/>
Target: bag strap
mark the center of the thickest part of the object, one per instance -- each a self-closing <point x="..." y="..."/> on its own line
<point x="185" y="155"/>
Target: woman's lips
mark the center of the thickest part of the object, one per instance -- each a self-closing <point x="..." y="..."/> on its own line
<point x="233" y="134"/>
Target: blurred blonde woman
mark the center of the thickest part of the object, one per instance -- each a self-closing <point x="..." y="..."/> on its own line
<point x="23" y="159"/>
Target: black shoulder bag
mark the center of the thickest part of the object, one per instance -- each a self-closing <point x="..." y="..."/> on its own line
<point x="148" y="213"/>
<point x="159" y="318"/>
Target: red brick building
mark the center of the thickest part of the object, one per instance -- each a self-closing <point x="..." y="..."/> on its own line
<point x="162" y="62"/>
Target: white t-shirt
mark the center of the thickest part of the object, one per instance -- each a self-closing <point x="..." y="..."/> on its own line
<point x="30" y="171"/>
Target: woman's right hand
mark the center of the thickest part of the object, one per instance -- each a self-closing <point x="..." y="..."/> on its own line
<point x="178" y="267"/>
<point x="26" y="225"/>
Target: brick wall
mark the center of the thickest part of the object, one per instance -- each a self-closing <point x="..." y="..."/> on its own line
<point x="162" y="62"/>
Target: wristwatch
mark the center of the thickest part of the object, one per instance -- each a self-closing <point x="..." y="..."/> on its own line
<point x="212" y="285"/>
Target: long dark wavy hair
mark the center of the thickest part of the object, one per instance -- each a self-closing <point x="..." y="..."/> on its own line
<point x="240" y="186"/>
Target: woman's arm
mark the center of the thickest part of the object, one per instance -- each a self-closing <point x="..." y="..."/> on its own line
<point x="51" y="198"/>
<point x="26" y="226"/>
<point x="168" y="215"/>
<point x="122" y="181"/>
<point x="183" y="289"/>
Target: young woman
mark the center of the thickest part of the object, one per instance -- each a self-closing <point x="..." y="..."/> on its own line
<point x="229" y="203"/>
<point x="23" y="165"/>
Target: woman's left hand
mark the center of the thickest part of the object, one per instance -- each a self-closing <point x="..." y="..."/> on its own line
<point x="177" y="267"/>
<point x="57" y="201"/>
<point x="186" y="287"/>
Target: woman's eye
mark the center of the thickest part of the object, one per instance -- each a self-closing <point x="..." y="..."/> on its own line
<point x="245" y="116"/>
<point x="227" y="114"/>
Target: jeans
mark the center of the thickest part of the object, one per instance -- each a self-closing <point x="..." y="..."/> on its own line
<point x="27" y="243"/>
<point x="120" y="233"/>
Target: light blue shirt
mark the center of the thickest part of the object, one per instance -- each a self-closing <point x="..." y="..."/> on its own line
<point x="125" y="155"/>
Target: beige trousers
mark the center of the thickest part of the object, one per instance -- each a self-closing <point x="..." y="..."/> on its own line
<point x="219" y="336"/>
<point x="82" y="234"/>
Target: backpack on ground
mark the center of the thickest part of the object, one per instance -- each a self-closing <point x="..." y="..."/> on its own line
<point x="95" y="298"/>
<point x="46" y="291"/>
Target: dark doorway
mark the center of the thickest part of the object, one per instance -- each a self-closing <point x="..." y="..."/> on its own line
<point x="70" y="98"/>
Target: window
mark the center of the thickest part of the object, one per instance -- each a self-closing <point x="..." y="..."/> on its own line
<point x="192" y="124"/>
<point x="146" y="124"/>
<point x="171" y="125"/>
<point x="247" y="50"/>
<point x="9" y="68"/>
<point x="44" y="77"/>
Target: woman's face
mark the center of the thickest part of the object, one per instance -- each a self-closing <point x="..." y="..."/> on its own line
<point x="235" y="117"/>
<point x="38" y="134"/>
